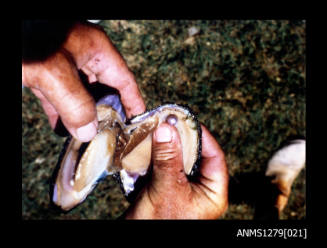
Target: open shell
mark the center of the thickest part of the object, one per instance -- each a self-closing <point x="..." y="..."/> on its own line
<point x="120" y="149"/>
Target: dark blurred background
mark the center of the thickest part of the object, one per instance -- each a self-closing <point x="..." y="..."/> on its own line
<point x="244" y="79"/>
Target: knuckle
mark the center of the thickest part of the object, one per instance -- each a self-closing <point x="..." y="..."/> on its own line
<point x="166" y="154"/>
<point x="78" y="113"/>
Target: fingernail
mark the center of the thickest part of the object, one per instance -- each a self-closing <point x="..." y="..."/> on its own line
<point x="163" y="134"/>
<point x="87" y="132"/>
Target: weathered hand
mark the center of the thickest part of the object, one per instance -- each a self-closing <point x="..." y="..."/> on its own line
<point x="56" y="83"/>
<point x="169" y="194"/>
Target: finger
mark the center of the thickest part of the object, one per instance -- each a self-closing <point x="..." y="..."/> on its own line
<point x="114" y="72"/>
<point x="211" y="151"/>
<point x="49" y="110"/>
<point x="168" y="169"/>
<point x="111" y="69"/>
<point x="213" y="170"/>
<point x="58" y="81"/>
<point x="95" y="54"/>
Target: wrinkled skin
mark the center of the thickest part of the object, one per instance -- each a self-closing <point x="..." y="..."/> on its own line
<point x="169" y="195"/>
<point x="56" y="83"/>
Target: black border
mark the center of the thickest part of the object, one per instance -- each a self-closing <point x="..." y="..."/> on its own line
<point x="199" y="230"/>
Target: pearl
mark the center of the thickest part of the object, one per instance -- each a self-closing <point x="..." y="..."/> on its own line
<point x="171" y="119"/>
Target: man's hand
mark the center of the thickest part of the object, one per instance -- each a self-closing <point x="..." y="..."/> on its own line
<point x="56" y="83"/>
<point x="169" y="194"/>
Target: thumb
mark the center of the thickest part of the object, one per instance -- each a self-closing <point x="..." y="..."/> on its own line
<point x="167" y="158"/>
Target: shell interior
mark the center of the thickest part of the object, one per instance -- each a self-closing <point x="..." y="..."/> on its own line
<point x="122" y="148"/>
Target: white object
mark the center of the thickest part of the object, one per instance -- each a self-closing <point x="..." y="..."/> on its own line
<point x="94" y="21"/>
<point x="193" y="31"/>
<point x="285" y="166"/>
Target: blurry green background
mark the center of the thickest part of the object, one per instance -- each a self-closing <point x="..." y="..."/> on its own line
<point x="244" y="79"/>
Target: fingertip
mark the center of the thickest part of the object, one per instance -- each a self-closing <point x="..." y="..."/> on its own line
<point x="87" y="132"/>
<point x="138" y="109"/>
<point x="166" y="133"/>
<point x="163" y="134"/>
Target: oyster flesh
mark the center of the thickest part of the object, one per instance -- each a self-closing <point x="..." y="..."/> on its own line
<point x="120" y="148"/>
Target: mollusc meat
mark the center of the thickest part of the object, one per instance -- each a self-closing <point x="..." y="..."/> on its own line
<point x="122" y="149"/>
